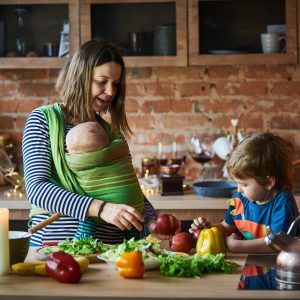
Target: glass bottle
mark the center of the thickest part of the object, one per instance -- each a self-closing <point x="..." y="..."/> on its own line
<point x="21" y="42"/>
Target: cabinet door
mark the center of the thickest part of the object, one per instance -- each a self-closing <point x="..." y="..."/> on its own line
<point x="43" y="22"/>
<point x="229" y="31"/>
<point x="149" y="32"/>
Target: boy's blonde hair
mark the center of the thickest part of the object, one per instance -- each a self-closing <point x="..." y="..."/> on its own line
<point x="261" y="155"/>
<point x="75" y="80"/>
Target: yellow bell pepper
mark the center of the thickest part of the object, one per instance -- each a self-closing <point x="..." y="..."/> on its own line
<point x="210" y="241"/>
<point x="131" y="265"/>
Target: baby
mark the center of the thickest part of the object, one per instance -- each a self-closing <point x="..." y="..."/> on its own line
<point x="103" y="168"/>
<point x="86" y="137"/>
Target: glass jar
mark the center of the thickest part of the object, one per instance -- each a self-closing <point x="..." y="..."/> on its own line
<point x="22" y="32"/>
<point x="149" y="166"/>
<point x="165" y="40"/>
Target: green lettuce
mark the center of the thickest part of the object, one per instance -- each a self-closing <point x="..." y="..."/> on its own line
<point x="195" y="265"/>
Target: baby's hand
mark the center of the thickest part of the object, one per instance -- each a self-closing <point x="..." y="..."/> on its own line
<point x="199" y="223"/>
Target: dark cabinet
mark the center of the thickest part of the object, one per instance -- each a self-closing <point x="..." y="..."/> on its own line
<point x="31" y="32"/>
<point x="150" y="33"/>
<point x="229" y="31"/>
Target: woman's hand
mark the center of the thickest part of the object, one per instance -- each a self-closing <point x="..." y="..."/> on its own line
<point x="121" y="215"/>
<point x="199" y="223"/>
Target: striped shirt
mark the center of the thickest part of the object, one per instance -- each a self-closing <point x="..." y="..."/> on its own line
<point x="43" y="193"/>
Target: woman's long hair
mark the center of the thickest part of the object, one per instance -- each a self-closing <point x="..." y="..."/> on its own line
<point x="75" y="80"/>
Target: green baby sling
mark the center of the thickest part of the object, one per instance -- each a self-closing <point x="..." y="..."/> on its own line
<point x="106" y="174"/>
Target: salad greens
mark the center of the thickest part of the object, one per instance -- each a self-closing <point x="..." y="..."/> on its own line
<point x="149" y="249"/>
<point x="76" y="247"/>
<point x="195" y="265"/>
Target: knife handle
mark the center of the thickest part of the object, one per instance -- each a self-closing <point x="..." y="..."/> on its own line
<point x="44" y="223"/>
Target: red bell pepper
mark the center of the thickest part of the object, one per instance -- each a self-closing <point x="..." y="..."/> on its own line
<point x="63" y="267"/>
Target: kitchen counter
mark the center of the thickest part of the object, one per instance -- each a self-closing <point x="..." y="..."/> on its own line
<point x="184" y="207"/>
<point x="101" y="281"/>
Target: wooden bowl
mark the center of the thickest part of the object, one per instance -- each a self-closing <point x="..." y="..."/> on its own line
<point x="18" y="246"/>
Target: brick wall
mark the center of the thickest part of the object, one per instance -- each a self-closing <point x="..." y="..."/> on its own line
<point x="172" y="104"/>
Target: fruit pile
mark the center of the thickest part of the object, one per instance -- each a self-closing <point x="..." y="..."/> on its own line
<point x="208" y="240"/>
<point x="168" y="226"/>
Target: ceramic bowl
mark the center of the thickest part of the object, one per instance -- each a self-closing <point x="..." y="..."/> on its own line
<point x="18" y="246"/>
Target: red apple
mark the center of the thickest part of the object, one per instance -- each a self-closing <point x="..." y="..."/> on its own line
<point x="166" y="224"/>
<point x="181" y="242"/>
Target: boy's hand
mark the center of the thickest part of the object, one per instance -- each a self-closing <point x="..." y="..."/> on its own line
<point x="199" y="223"/>
<point x="232" y="242"/>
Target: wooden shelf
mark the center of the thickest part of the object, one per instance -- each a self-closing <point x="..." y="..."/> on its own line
<point x="32" y="62"/>
<point x="116" y="18"/>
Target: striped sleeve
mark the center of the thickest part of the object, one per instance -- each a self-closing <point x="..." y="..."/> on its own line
<point x="37" y="172"/>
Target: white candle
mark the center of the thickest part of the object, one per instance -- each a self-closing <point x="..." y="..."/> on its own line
<point x="159" y="150"/>
<point x="4" y="242"/>
<point x="174" y="150"/>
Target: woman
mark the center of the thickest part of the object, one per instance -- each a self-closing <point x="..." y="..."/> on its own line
<point x="91" y="84"/>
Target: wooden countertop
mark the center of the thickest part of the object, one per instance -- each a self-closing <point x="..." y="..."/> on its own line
<point x="103" y="282"/>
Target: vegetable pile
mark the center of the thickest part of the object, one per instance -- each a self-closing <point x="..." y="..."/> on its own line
<point x="195" y="265"/>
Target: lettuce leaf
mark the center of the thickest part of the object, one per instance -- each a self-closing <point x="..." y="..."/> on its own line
<point x="195" y="265"/>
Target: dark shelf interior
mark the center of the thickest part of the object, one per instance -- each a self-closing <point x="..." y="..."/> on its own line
<point x="235" y="26"/>
<point x="43" y="24"/>
<point x="116" y="21"/>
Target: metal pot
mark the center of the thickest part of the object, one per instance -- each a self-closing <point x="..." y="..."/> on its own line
<point x="288" y="259"/>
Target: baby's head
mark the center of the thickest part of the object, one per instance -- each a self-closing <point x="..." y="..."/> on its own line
<point x="263" y="155"/>
<point x="86" y="137"/>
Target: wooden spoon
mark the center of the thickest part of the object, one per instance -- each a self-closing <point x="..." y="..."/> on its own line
<point x="44" y="223"/>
